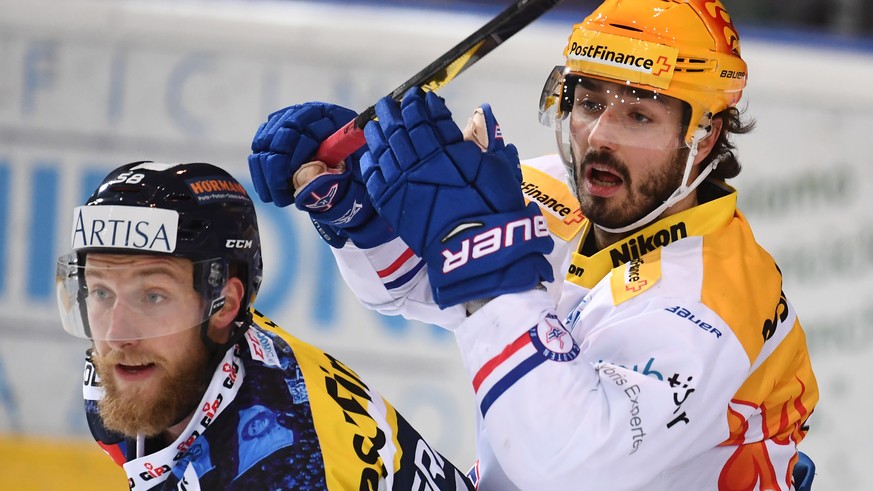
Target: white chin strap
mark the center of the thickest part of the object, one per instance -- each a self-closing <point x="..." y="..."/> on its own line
<point x="679" y="194"/>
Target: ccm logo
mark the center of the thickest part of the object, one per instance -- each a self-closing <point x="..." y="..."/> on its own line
<point x="492" y="240"/>
<point x="238" y="244"/>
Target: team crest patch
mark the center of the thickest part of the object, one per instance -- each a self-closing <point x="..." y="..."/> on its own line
<point x="473" y="474"/>
<point x="553" y="341"/>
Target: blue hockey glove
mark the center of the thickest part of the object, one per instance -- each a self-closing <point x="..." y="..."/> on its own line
<point x="804" y="472"/>
<point x="283" y="173"/>
<point x="459" y="208"/>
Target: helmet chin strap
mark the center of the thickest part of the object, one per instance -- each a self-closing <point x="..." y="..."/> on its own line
<point x="680" y="193"/>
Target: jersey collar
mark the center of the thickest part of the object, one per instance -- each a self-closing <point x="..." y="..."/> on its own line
<point x="587" y="271"/>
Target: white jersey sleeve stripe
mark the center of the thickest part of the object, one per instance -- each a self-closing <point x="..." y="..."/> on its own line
<point x="406" y="277"/>
<point x="507" y="381"/>
<point x="394" y="266"/>
<point x="521" y="356"/>
<point x="504" y="370"/>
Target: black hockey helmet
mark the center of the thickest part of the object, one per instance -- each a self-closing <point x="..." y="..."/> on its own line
<point x="190" y="210"/>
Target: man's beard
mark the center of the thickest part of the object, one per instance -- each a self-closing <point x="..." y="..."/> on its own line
<point x="172" y="392"/>
<point x="655" y="189"/>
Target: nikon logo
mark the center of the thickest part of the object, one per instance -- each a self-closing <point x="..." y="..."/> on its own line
<point x="636" y="247"/>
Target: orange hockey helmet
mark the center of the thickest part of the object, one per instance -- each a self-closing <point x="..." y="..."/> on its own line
<point x="686" y="49"/>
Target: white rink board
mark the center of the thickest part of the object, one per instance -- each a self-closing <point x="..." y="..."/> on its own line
<point x="85" y="86"/>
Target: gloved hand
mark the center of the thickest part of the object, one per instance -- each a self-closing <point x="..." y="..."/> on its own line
<point x="283" y="173"/>
<point x="459" y="208"/>
<point x="804" y="472"/>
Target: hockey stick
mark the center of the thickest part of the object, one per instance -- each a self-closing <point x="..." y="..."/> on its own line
<point x="439" y="73"/>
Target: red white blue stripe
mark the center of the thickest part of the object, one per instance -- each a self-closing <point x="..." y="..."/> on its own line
<point x="546" y="341"/>
<point x="402" y="270"/>
<point x="505" y="369"/>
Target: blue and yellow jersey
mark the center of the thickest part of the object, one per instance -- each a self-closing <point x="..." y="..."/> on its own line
<point x="282" y="414"/>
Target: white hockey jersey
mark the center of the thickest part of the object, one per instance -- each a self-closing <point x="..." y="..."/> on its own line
<point x="670" y="361"/>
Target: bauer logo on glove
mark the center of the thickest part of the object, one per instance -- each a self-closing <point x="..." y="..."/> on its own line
<point x="492" y="240"/>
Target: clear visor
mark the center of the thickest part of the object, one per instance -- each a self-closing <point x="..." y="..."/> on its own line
<point x="586" y="111"/>
<point x="127" y="297"/>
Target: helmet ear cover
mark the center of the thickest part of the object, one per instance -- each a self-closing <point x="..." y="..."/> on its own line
<point x="209" y="279"/>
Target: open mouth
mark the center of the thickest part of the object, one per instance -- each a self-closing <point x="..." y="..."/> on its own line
<point x="135" y="368"/>
<point x="601" y="181"/>
<point x="602" y="176"/>
<point x="134" y="371"/>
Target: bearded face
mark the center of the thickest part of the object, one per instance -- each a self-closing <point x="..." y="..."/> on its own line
<point x="145" y="317"/>
<point x="626" y="152"/>
<point x="148" y="389"/>
<point x="611" y="196"/>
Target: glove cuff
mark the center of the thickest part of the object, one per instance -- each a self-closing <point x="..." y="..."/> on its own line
<point x="371" y="233"/>
<point x="524" y="274"/>
<point x="340" y="209"/>
<point x="369" y="229"/>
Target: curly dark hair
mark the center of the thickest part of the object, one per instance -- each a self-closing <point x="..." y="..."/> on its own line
<point x="732" y="124"/>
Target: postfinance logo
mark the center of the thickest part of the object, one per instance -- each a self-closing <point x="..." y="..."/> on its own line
<point x="661" y="65"/>
<point x="621" y="58"/>
<point x="557" y="203"/>
<point x="635" y="277"/>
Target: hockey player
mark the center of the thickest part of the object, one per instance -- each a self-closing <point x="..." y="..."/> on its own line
<point x="666" y="355"/>
<point x="187" y="386"/>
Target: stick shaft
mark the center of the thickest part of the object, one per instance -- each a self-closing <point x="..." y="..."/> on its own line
<point x="439" y="73"/>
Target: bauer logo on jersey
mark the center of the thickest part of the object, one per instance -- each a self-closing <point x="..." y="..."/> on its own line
<point x="553" y="341"/>
<point x="621" y="57"/>
<point x="125" y="227"/>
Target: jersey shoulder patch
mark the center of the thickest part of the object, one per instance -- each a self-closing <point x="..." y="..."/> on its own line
<point x="636" y="276"/>
<point x="555" y="199"/>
